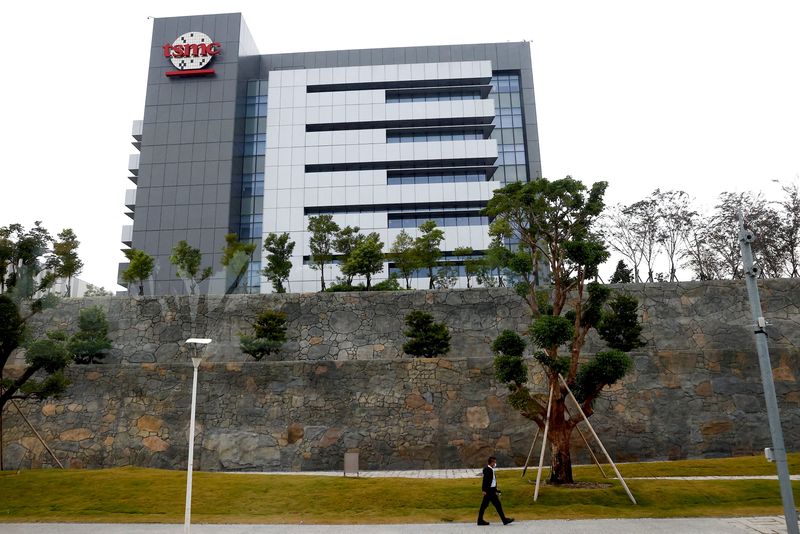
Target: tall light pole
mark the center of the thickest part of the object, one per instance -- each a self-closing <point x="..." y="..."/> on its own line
<point x="187" y="519"/>
<point x="751" y="272"/>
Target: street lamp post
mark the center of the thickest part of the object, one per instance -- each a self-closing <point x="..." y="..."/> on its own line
<point x="751" y="271"/>
<point x="187" y="520"/>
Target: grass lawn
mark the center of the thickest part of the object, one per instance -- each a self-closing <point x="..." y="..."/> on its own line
<point x="149" y="495"/>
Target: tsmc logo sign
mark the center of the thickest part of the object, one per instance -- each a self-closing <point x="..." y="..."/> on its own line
<point x="190" y="53"/>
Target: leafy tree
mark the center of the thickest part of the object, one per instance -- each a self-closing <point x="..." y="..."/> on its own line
<point x="6" y="256"/>
<point x="95" y="291"/>
<point x="46" y="358"/>
<point x="426" y="338"/>
<point x="497" y="254"/>
<point x="25" y="271"/>
<point x="471" y="266"/>
<point x="140" y="267"/>
<point x="676" y="218"/>
<point x="557" y="219"/>
<point x="622" y="274"/>
<point x="722" y="234"/>
<point x="365" y="259"/>
<point x="346" y="240"/>
<point x="789" y="233"/>
<point x="644" y="216"/>
<point x="91" y="341"/>
<point x="64" y="261"/>
<point x="279" y="264"/>
<point x="323" y="233"/>
<point x="623" y="237"/>
<point x="236" y="257"/>
<point x="698" y="253"/>
<point x="270" y="335"/>
<point x="446" y="277"/>
<point x="186" y="260"/>
<point x="426" y="248"/>
<point x="403" y="256"/>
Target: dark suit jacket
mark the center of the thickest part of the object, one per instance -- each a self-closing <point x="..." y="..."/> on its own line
<point x="487" y="479"/>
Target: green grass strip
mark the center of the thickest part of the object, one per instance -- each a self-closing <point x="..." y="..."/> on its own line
<point x="137" y="495"/>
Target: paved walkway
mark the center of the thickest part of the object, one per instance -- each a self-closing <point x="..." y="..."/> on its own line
<point x="748" y="525"/>
<point x="472" y="473"/>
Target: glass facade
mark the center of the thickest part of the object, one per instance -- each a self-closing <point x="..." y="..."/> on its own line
<point x="436" y="178"/>
<point x="422" y="137"/>
<point x="431" y="96"/>
<point x="415" y="220"/>
<point x="252" y="203"/>
<point x="508" y="128"/>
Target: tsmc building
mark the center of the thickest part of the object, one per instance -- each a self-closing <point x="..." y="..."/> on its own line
<point x="234" y="141"/>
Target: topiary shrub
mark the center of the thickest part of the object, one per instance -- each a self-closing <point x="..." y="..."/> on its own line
<point x="508" y="363"/>
<point x="426" y="338"/>
<point x="270" y="335"/>
<point x="91" y="341"/>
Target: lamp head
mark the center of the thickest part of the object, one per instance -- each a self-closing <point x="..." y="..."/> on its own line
<point x="198" y="340"/>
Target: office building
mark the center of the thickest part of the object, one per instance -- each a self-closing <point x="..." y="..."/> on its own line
<point x="235" y="141"/>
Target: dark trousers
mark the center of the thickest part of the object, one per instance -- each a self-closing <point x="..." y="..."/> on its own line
<point x="491" y="497"/>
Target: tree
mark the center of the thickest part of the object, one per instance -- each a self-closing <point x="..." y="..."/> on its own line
<point x="43" y="357"/>
<point x="426" y="338"/>
<point x="402" y="254"/>
<point x="446" y="277"/>
<point x="789" y="236"/>
<point x="471" y="265"/>
<point x="270" y="335"/>
<point x="91" y="341"/>
<point x="64" y="261"/>
<point x="497" y="254"/>
<point x="186" y="260"/>
<point x="95" y="291"/>
<point x="622" y="274"/>
<point x="426" y="248"/>
<point x="279" y="264"/>
<point x="722" y="234"/>
<point x="365" y="259"/>
<point x="623" y="237"/>
<point x="140" y="267"/>
<point x="236" y="257"/>
<point x="323" y="232"/>
<point x="646" y="228"/>
<point x="345" y="241"/>
<point x="676" y="218"/>
<point x="557" y="219"/>
<point x="25" y="272"/>
<point x="698" y="253"/>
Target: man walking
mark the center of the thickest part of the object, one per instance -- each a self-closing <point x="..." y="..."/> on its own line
<point x="490" y="493"/>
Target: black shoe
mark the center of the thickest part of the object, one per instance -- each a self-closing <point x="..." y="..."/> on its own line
<point x="482" y="523"/>
<point x="508" y="520"/>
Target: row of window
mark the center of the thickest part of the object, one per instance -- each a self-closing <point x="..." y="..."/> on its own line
<point x="508" y="121"/>
<point x="252" y="201"/>
<point x="439" y="96"/>
<point x="455" y="269"/>
<point x="508" y="136"/>
<point x="505" y="83"/>
<point x="407" y="220"/>
<point x="397" y="137"/>
<point x="439" y="178"/>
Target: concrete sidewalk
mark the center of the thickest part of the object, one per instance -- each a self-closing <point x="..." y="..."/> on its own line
<point x="751" y="525"/>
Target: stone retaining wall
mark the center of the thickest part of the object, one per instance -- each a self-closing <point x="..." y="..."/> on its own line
<point x="695" y="390"/>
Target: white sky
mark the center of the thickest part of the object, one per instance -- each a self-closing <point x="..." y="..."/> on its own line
<point x="697" y="95"/>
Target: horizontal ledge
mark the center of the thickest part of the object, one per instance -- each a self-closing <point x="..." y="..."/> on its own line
<point x="397" y="84"/>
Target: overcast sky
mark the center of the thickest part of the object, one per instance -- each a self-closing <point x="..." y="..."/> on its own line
<point x="697" y="95"/>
